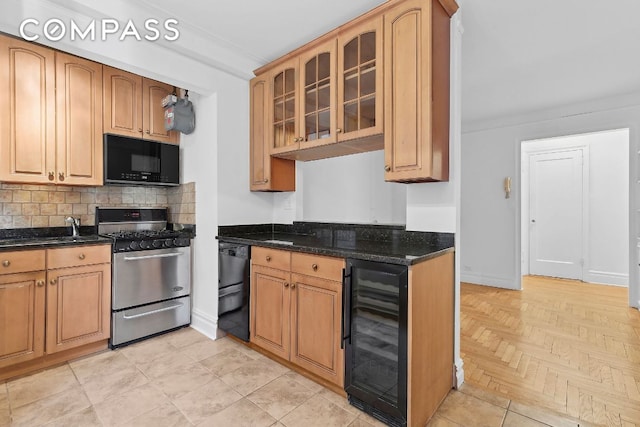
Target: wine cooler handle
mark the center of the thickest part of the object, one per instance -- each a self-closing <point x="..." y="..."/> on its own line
<point x="346" y="308"/>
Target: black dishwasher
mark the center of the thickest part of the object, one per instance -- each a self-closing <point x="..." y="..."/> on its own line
<point x="233" y="289"/>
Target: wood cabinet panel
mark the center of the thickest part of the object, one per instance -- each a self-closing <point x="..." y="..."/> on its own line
<point x="266" y="173"/>
<point x="27" y="126"/>
<point x="79" y="121"/>
<point x="122" y="103"/>
<point x="153" y="112"/>
<point x="416" y="84"/>
<point x="317" y="266"/>
<point x="316" y="326"/>
<point x="77" y="256"/>
<point x="132" y="106"/>
<point x="22" y="320"/>
<point x="22" y="261"/>
<point x="270" y="327"/>
<point x="78" y="306"/>
<point x="272" y="258"/>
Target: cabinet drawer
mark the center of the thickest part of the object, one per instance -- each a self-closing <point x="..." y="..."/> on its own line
<point x="317" y="266"/>
<point x="21" y="261"/>
<point x="78" y="255"/>
<point x="272" y="258"/>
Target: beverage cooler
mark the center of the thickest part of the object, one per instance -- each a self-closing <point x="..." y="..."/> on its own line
<point x="375" y="339"/>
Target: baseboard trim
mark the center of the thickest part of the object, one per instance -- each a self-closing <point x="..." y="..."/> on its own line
<point x="204" y="324"/>
<point x="459" y="374"/>
<point x="607" y="278"/>
<point x="497" y="282"/>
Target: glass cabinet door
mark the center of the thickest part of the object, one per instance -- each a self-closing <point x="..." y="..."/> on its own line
<point x="284" y="109"/>
<point x="360" y="78"/>
<point x="318" y="96"/>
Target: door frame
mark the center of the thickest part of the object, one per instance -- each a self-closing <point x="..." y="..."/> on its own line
<point x="525" y="211"/>
<point x="585" y="125"/>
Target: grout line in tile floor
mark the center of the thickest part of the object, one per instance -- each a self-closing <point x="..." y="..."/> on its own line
<point x="183" y="379"/>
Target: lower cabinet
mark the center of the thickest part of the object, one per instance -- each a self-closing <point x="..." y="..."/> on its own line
<point x="296" y="309"/>
<point x="52" y="300"/>
<point x="22" y="305"/>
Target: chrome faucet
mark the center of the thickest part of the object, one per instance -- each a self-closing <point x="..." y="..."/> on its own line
<point x="75" y="224"/>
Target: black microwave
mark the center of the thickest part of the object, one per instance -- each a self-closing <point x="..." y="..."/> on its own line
<point x="139" y="161"/>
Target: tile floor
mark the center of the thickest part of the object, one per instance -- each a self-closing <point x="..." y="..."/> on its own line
<point x="184" y="379"/>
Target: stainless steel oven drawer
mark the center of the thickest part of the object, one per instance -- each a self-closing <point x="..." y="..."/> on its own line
<point x="154" y="275"/>
<point x="134" y="323"/>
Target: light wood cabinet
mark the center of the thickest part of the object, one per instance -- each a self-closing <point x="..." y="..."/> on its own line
<point x="296" y="302"/>
<point x="266" y="173"/>
<point x="28" y="122"/>
<point x="378" y="82"/>
<point x="78" y="306"/>
<point x="22" y="317"/>
<point x="132" y="106"/>
<point x="79" y="121"/>
<point x="416" y="74"/>
<point x="52" y="129"/>
<point x="55" y="304"/>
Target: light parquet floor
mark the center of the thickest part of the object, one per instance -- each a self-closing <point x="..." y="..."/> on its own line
<point x="567" y="346"/>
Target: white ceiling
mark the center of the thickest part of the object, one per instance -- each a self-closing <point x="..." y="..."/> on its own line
<point x="518" y="56"/>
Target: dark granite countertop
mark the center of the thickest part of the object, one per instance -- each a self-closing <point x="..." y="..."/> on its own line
<point x="47" y="237"/>
<point x="381" y="243"/>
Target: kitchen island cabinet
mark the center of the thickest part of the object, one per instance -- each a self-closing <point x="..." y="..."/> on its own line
<point x="296" y="312"/>
<point x="54" y="306"/>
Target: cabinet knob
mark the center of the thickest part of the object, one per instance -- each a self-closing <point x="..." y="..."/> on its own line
<point x="293" y="286"/>
<point x="81" y="256"/>
<point x="51" y="176"/>
<point x="53" y="282"/>
<point x="61" y="176"/>
<point x="387" y="168"/>
<point x="6" y="263"/>
<point x="140" y="130"/>
<point x="314" y="267"/>
<point x="286" y="285"/>
<point x="268" y="258"/>
<point x="147" y="132"/>
<point x="40" y="283"/>
<point x="338" y="130"/>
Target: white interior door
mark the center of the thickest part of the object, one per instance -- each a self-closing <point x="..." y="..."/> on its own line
<point x="556" y="214"/>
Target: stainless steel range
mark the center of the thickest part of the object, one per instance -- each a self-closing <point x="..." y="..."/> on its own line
<point x="151" y="273"/>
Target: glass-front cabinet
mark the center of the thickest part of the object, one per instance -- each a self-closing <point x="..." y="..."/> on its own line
<point x="284" y="111"/>
<point x="318" y="89"/>
<point x="360" y="92"/>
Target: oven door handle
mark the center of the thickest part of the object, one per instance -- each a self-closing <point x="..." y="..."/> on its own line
<point x="138" y="258"/>
<point x="149" y="313"/>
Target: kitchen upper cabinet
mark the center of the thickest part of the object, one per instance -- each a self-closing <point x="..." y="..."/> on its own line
<point x="266" y="173"/>
<point x="132" y="106"/>
<point x="360" y="93"/>
<point x="52" y="129"/>
<point x="28" y="122"/>
<point x="22" y="305"/>
<point x="79" y="121"/>
<point x="416" y="80"/>
<point x="284" y="112"/>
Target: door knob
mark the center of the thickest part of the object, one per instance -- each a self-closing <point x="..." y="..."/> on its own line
<point x="293" y="286"/>
<point x="286" y="285"/>
<point x="40" y="283"/>
<point x="268" y="258"/>
<point x="6" y="263"/>
<point x="81" y="256"/>
<point x="53" y="282"/>
<point x="314" y="267"/>
<point x="387" y="168"/>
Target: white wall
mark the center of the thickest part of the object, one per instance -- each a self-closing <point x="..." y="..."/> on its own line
<point x="350" y="189"/>
<point x="490" y="224"/>
<point x="606" y="165"/>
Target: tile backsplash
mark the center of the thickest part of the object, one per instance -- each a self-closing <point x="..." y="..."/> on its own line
<point x="25" y="205"/>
